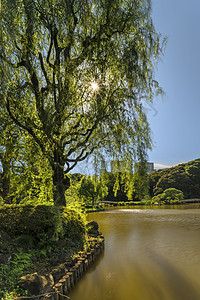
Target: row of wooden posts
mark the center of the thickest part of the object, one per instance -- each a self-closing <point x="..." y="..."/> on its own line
<point x="62" y="289"/>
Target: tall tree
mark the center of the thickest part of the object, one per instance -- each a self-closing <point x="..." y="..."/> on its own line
<point x="76" y="73"/>
<point x="140" y="184"/>
<point x="8" y="148"/>
<point x="92" y="189"/>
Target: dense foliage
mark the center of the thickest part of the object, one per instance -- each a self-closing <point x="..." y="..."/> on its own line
<point x="36" y="239"/>
<point x="24" y="176"/>
<point x="126" y="186"/>
<point x="115" y="185"/>
<point x="169" y="196"/>
<point x="184" y="177"/>
<point x="41" y="224"/>
<point x="74" y="76"/>
<point x="92" y="190"/>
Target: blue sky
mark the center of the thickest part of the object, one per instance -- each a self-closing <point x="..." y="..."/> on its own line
<point x="175" y="118"/>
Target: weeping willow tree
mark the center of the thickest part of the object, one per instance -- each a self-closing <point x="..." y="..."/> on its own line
<point x="76" y="75"/>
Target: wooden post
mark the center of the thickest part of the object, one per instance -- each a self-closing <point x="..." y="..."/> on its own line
<point x="66" y="284"/>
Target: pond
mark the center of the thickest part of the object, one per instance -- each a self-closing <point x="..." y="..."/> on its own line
<point x="150" y="254"/>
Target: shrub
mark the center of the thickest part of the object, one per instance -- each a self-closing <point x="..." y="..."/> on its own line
<point x="74" y="224"/>
<point x="170" y="195"/>
<point x="42" y="223"/>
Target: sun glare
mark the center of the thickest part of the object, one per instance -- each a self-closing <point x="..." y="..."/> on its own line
<point x="94" y="86"/>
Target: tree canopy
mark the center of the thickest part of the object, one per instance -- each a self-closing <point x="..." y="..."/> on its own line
<point x="76" y="75"/>
<point x="184" y="177"/>
<point x="92" y="190"/>
<point x="170" y="195"/>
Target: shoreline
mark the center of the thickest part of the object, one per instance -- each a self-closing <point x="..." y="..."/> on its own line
<point x="62" y="289"/>
<point x="185" y="202"/>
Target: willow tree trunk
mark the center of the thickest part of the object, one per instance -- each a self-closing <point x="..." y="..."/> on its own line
<point x="60" y="184"/>
<point x="6" y="182"/>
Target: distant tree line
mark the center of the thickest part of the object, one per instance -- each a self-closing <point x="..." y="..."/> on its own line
<point x="29" y="181"/>
<point x="184" y="177"/>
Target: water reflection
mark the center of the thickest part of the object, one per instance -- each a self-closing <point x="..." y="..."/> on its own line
<point x="149" y="254"/>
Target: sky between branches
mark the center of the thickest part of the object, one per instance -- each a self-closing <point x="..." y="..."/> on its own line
<point x="175" y="118"/>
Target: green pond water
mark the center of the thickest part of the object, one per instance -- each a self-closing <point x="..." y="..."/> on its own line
<point x="149" y="254"/>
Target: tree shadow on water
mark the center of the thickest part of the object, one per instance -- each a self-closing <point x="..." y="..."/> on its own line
<point x="177" y="286"/>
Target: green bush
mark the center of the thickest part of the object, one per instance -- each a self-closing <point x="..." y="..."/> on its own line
<point x="42" y="223"/>
<point x="74" y="224"/>
<point x="170" y="195"/>
<point x="32" y="236"/>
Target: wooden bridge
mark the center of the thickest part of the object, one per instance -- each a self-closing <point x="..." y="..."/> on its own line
<point x="194" y="200"/>
<point x="109" y="202"/>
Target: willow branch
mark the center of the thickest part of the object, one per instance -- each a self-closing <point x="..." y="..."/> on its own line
<point x="83" y="142"/>
<point x="71" y="31"/>
<point x="82" y="157"/>
<point x="25" y="127"/>
<point x="50" y="48"/>
<point x="79" y="158"/>
<point x="43" y="68"/>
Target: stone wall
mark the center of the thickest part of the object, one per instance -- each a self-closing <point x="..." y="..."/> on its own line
<point x="61" y="290"/>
